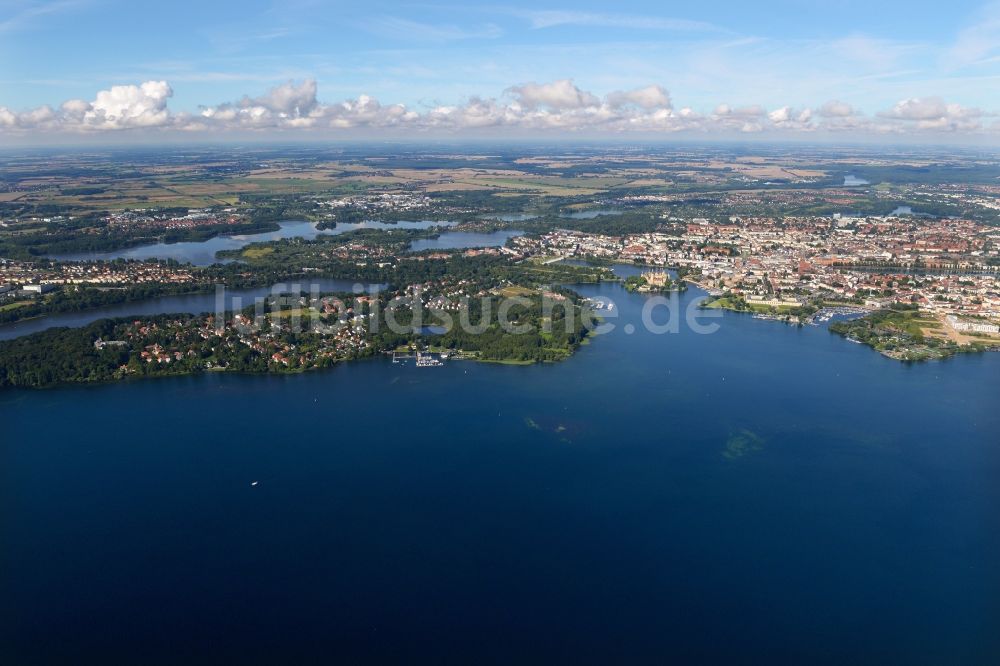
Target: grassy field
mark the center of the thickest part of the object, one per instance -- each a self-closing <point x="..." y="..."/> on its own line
<point x="294" y="312"/>
<point x="726" y="303"/>
<point x="257" y="252"/>
<point x="13" y="306"/>
<point x="184" y="187"/>
<point x="516" y="291"/>
<point x="549" y="186"/>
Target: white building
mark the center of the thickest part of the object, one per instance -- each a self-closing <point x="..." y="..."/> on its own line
<point x="38" y="288"/>
<point x="972" y="325"/>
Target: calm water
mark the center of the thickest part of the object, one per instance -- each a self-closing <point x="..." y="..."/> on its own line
<point x="203" y="253"/>
<point x="511" y="217"/>
<point x="907" y="210"/>
<point x="591" y="213"/>
<point x="588" y="214"/>
<point x="854" y="181"/>
<point x="764" y="494"/>
<point x="451" y="240"/>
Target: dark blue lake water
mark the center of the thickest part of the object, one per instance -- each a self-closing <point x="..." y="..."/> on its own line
<point x="465" y="239"/>
<point x="591" y="213"/>
<point x="762" y="494"/>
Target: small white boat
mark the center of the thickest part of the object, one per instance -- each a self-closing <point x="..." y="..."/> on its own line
<point x="254" y="483"/>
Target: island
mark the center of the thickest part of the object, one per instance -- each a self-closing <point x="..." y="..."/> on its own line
<point x="653" y="282"/>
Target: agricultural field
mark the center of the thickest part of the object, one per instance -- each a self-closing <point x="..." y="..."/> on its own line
<point x="716" y="180"/>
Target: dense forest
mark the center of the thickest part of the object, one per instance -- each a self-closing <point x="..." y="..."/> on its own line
<point x="60" y="355"/>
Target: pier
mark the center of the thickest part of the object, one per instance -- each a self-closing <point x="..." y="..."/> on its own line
<point x="423" y="359"/>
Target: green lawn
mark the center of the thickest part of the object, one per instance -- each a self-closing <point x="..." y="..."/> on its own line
<point x="14" y="305"/>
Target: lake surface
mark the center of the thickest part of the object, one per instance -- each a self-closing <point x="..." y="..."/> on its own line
<point x="854" y="181"/>
<point x="588" y="214"/>
<point x="452" y="240"/>
<point x="202" y="253"/>
<point x="908" y="210"/>
<point x="591" y="213"/>
<point x="511" y="217"/>
<point x="763" y="494"/>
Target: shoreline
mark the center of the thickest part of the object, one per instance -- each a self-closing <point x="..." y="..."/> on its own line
<point x="459" y="356"/>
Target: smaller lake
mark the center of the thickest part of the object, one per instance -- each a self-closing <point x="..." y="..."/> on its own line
<point x="457" y="240"/>
<point x="854" y="181"/>
<point x="572" y="215"/>
<point x="511" y="217"/>
<point x="908" y="210"/>
<point x="202" y="253"/>
<point x="591" y="214"/>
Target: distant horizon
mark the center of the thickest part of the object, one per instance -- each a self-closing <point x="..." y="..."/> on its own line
<point x="147" y="142"/>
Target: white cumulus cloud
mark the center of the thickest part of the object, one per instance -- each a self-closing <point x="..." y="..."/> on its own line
<point x="561" y="94"/>
<point x="557" y="106"/>
<point x="933" y="113"/>
<point x="650" y="97"/>
<point x="835" y="109"/>
<point x="119" y="107"/>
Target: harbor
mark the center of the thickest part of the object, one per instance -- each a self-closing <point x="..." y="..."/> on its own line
<point x="421" y="359"/>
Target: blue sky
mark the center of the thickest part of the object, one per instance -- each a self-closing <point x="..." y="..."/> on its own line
<point x="868" y="57"/>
